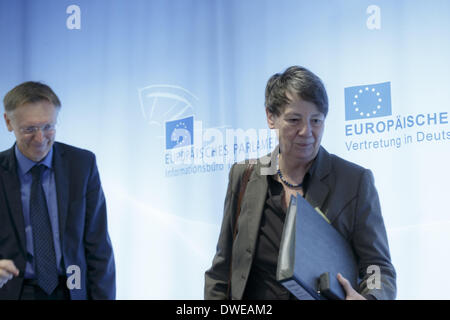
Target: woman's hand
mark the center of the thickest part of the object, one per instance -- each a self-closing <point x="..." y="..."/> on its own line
<point x="350" y="293"/>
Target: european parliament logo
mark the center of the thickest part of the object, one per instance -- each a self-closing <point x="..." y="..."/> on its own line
<point x="162" y="102"/>
<point x="368" y="101"/>
<point x="180" y="133"/>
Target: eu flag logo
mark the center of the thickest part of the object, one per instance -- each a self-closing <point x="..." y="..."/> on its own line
<point x="368" y="101"/>
<point x="179" y="133"/>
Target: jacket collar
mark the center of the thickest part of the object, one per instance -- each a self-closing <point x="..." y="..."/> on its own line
<point x="11" y="186"/>
<point x="319" y="188"/>
<point x="61" y="168"/>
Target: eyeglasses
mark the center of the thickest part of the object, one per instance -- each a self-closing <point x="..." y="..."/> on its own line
<point x="47" y="128"/>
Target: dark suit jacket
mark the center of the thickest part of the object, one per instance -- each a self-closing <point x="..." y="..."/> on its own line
<point x="344" y="191"/>
<point x="82" y="222"/>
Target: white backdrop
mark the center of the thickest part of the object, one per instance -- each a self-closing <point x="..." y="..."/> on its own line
<point x="133" y="76"/>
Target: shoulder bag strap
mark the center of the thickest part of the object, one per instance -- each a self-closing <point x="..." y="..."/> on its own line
<point x="245" y="179"/>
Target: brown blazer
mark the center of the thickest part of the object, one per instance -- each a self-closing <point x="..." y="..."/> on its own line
<point x="344" y="192"/>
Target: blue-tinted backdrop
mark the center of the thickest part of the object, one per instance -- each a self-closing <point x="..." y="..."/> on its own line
<point x="129" y="72"/>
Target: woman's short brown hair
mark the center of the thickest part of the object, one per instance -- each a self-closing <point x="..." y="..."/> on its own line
<point x="298" y="81"/>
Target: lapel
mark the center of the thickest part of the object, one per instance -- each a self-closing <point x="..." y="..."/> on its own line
<point x="11" y="186"/>
<point x="253" y="203"/>
<point x="62" y="186"/>
<point x="318" y="188"/>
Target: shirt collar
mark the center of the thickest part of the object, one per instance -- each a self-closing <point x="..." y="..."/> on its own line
<point x="313" y="166"/>
<point x="26" y="164"/>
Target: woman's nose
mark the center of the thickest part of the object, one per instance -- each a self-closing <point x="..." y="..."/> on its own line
<point x="305" y="129"/>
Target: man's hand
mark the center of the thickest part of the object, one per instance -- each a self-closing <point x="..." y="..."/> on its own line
<point x="7" y="271"/>
<point x="350" y="293"/>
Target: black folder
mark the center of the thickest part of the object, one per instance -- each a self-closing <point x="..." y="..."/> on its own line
<point x="310" y="248"/>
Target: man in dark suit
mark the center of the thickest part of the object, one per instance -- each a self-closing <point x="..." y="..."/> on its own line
<point x="54" y="242"/>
